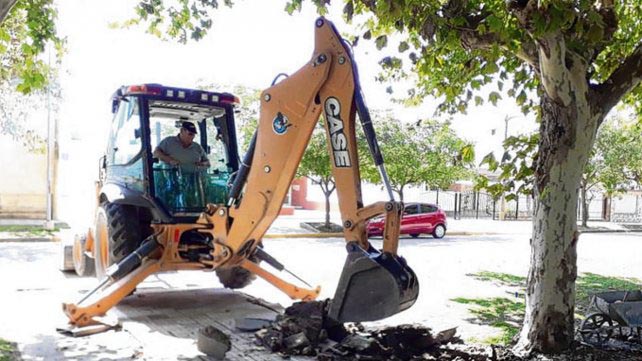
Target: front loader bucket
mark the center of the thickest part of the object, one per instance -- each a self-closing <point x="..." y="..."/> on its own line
<point x="373" y="286"/>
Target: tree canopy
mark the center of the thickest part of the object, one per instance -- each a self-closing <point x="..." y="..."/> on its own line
<point x="457" y="47"/>
<point x="26" y="27"/>
<point x="316" y="165"/>
<point x="617" y="162"/>
<point x="425" y="153"/>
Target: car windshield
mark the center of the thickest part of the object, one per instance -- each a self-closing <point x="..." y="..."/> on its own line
<point x="187" y="188"/>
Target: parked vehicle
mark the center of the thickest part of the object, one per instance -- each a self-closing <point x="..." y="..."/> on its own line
<point x="417" y="218"/>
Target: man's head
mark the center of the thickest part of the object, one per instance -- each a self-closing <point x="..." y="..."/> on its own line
<point x="188" y="132"/>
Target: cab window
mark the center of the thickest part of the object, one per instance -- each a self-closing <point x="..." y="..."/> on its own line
<point x="428" y="208"/>
<point x="410" y="210"/>
<point x="126" y="137"/>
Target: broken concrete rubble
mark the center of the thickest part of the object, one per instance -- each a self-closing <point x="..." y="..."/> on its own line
<point x="305" y="329"/>
<point x="213" y="342"/>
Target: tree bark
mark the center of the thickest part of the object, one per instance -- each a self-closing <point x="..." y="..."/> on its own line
<point x="569" y="122"/>
<point x="401" y="193"/>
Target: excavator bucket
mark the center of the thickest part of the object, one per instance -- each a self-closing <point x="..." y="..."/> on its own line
<point x="373" y="285"/>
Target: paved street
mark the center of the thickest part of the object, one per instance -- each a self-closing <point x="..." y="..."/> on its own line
<point x="32" y="289"/>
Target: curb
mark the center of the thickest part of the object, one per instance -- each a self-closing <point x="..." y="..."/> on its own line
<point x="27" y="239"/>
<point x="455" y="233"/>
<point x="608" y="231"/>
<point x="334" y="235"/>
<point x="304" y="235"/>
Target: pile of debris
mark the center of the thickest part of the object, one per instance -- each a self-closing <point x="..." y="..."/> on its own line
<point x="305" y="330"/>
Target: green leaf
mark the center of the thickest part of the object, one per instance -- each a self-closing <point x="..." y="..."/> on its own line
<point x="493" y="97"/>
<point x="381" y="41"/>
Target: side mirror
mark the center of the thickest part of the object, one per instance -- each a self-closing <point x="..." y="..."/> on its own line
<point x="155" y="160"/>
<point x="137" y="133"/>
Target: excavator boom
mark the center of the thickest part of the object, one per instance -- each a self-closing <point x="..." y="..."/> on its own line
<point x="290" y="110"/>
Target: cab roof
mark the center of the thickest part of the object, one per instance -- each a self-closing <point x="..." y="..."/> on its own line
<point x="177" y="94"/>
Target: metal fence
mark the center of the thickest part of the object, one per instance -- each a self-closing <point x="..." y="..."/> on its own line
<point x="478" y="205"/>
<point x="463" y="204"/>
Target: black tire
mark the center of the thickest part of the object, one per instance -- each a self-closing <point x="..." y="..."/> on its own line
<point x="439" y="231"/>
<point x="414" y="235"/>
<point x="235" y="277"/>
<point x="123" y="234"/>
<point x="83" y="264"/>
<point x="596" y="328"/>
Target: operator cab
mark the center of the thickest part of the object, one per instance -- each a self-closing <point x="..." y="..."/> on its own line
<point x="146" y="114"/>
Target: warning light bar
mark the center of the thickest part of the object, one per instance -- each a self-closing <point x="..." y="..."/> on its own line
<point x="143" y="89"/>
<point x="180" y="94"/>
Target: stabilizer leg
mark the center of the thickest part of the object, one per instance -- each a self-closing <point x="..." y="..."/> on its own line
<point x="119" y="283"/>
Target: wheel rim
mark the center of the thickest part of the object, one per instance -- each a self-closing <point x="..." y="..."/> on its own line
<point x="102" y="241"/>
<point x="596" y="328"/>
<point x="77" y="254"/>
<point x="440" y="231"/>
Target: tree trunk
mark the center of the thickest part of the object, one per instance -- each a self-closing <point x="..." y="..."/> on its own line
<point x="566" y="136"/>
<point x="585" y="206"/>
<point x="606" y="208"/>
<point x="327" y="209"/>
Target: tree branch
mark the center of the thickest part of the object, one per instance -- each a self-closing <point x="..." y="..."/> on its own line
<point x="471" y="39"/>
<point x="5" y="7"/>
<point x="334" y="186"/>
<point x="555" y="75"/>
<point x="624" y="79"/>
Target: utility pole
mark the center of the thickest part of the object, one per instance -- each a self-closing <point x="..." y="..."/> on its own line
<point x="502" y="204"/>
<point x="49" y="222"/>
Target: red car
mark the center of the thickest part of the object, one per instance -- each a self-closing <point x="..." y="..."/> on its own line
<point x="417" y="218"/>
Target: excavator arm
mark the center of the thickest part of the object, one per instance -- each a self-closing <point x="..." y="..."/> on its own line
<point x="290" y="110"/>
<point x="374" y="283"/>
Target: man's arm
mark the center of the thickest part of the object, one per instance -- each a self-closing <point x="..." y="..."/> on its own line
<point x="204" y="162"/>
<point x="162" y="155"/>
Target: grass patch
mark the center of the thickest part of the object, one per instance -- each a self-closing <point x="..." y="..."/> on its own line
<point x="499" y="312"/>
<point x="589" y="283"/>
<point x="29" y="231"/>
<point x="503" y="278"/>
<point x="507" y="314"/>
<point x="8" y="350"/>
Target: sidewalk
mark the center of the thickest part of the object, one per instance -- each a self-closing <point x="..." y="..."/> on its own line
<point x="290" y="226"/>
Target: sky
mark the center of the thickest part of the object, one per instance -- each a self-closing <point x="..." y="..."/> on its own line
<point x="248" y="45"/>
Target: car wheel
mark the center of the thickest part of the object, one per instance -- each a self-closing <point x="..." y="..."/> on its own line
<point x="414" y="235"/>
<point x="439" y="231"/>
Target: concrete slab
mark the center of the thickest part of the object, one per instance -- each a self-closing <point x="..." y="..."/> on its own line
<point x="160" y="321"/>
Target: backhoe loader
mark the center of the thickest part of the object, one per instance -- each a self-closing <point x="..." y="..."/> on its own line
<point x="152" y="217"/>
